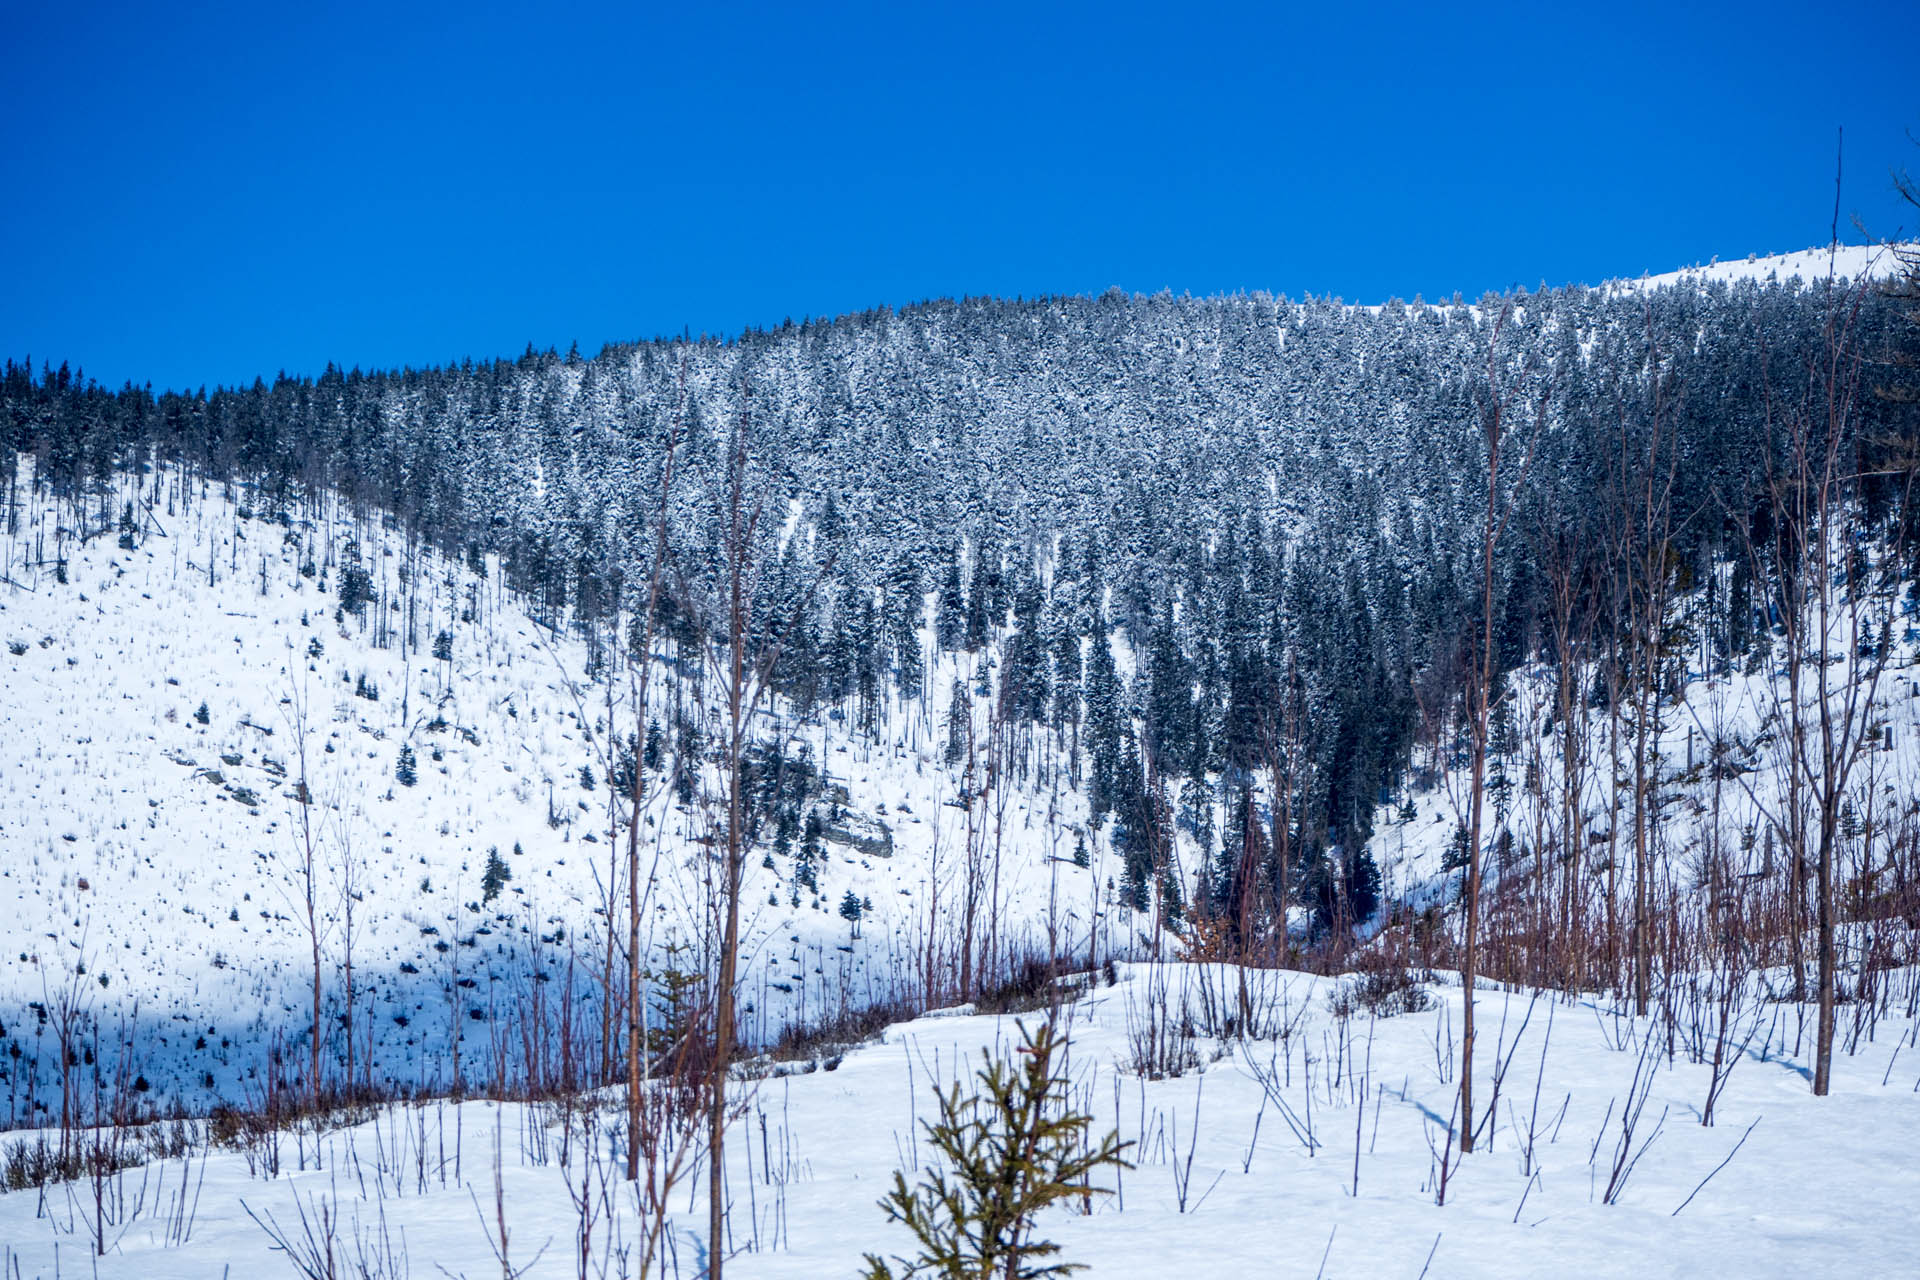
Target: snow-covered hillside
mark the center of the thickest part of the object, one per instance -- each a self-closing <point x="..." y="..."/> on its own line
<point x="1846" y="263"/>
<point x="154" y="700"/>
<point x="1717" y="771"/>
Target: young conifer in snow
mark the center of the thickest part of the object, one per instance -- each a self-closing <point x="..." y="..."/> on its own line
<point x="1007" y="1151"/>
<point x="495" y="877"/>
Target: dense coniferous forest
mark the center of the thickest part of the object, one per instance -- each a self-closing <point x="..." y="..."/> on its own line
<point x="1214" y="541"/>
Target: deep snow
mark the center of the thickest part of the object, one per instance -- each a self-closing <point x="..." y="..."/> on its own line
<point x="1818" y="1187"/>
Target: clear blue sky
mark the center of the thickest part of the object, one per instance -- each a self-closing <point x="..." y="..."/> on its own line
<point x="200" y="196"/>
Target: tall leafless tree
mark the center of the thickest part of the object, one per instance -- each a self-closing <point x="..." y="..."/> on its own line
<point x="1499" y="511"/>
<point x="1646" y="466"/>
<point x="636" y="1011"/>
<point x="1833" y="599"/>
<point x="305" y="869"/>
<point x="745" y="680"/>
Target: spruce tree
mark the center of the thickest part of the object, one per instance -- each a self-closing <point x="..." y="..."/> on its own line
<point x="1008" y="1150"/>
<point x="1106" y="719"/>
<point x="950" y="608"/>
<point x="980" y="619"/>
<point x="356" y="585"/>
<point x="806" y="870"/>
<point x="905" y="605"/>
<point x="495" y="877"/>
<point x="959" y="723"/>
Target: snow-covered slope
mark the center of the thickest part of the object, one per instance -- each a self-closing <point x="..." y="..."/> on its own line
<point x="153" y="704"/>
<point x="152" y="838"/>
<point x="1718" y="761"/>
<point x="1843" y="263"/>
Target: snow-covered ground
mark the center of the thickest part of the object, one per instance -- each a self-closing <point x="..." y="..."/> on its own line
<point x="1328" y="1168"/>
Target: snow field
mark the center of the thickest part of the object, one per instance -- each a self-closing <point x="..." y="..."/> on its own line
<point x="1327" y="1169"/>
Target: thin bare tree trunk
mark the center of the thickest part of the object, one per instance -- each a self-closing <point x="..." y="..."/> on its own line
<point x="744" y="690"/>
<point x="636" y="1007"/>
<point x="1483" y="677"/>
<point x="730" y="937"/>
<point x="1482" y="697"/>
<point x="306" y="871"/>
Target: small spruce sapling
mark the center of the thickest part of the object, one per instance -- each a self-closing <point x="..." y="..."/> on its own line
<point x="1007" y="1152"/>
<point x="405" y="771"/>
<point x="806" y="871"/>
<point x="959" y="724"/>
<point x="495" y="878"/>
<point x="356" y="584"/>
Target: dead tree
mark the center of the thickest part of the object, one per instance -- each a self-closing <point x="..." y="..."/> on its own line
<point x="745" y="678"/>
<point x="1283" y="748"/>
<point x="347" y="878"/>
<point x="1499" y="511"/>
<point x="1643" y="550"/>
<point x="304" y="895"/>
<point x="636" y="1012"/>
<point x="1836" y="615"/>
<point x="1570" y="623"/>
